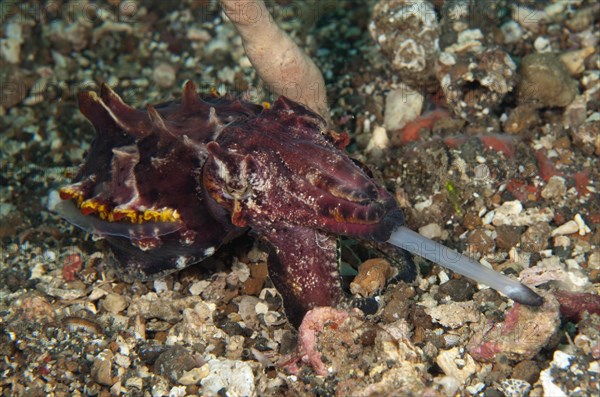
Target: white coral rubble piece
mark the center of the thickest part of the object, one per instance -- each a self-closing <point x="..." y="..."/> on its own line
<point x="232" y="375"/>
<point x="561" y="361"/>
<point x="511" y="213"/>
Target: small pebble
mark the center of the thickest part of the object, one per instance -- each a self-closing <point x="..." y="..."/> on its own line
<point x="433" y="231"/>
<point x="583" y="18"/>
<point x="562" y="242"/>
<point x="10" y="44"/>
<point x="594" y="260"/>
<point x="160" y="286"/>
<point x="535" y="237"/>
<point x="507" y="236"/>
<point x="37" y="271"/>
<point x="408" y="35"/>
<point x="379" y="139"/>
<point x="569" y="227"/>
<point x="198" y="287"/>
<point x="174" y="362"/>
<point x="164" y="75"/>
<point x="50" y="256"/>
<point x="574" y="60"/>
<point x="527" y="370"/>
<point x="459" y="290"/>
<point x="583" y="228"/>
<point x="488" y="217"/>
<point x="456" y="364"/>
<point x="272" y="318"/>
<point x="247" y="309"/>
<point x="234" y="376"/>
<point x="114" y="303"/>
<point x="479" y="241"/>
<point x="372" y="276"/>
<point x="510" y="208"/>
<point x="542" y="44"/>
<point x="454" y="314"/>
<point x="122" y="360"/>
<point x="402" y="105"/>
<point x="515" y="387"/>
<point x="512" y="32"/>
<point x="545" y="82"/>
<point x="261" y="307"/>
<point x="194" y="375"/>
<point x="135" y="382"/>
<point x="101" y="368"/>
<point x="521" y="120"/>
<point x="555" y="189"/>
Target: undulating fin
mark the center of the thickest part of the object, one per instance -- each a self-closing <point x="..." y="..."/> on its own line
<point x="101" y="228"/>
<point x="133" y="263"/>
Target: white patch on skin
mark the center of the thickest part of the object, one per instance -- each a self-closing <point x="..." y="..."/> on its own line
<point x="130" y="181"/>
<point x="216" y="122"/>
<point x="222" y="170"/>
<point x="157" y="162"/>
<point x="199" y="147"/>
<point x="209" y="251"/>
<point x="187" y="240"/>
<point x="181" y="262"/>
<point x="110" y="112"/>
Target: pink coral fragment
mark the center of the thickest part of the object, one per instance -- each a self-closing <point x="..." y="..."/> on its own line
<point x="499" y="143"/>
<point x="486" y="352"/>
<point x="522" y="334"/>
<point x="72" y="264"/>
<point x="314" y="322"/>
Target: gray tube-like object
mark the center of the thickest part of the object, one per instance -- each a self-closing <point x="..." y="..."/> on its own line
<point x="413" y="242"/>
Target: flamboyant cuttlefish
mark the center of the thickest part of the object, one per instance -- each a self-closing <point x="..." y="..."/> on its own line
<point x="169" y="184"/>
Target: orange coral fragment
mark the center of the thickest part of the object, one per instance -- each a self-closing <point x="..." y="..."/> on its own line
<point x="410" y="132"/>
<point x="523" y="191"/>
<point x="372" y="276"/>
<point x="546" y="168"/>
<point x="582" y="181"/>
<point x="499" y="143"/>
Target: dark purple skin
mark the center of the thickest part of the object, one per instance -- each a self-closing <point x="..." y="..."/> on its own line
<point x="226" y="165"/>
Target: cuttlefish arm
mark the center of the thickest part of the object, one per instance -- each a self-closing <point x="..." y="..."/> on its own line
<point x="303" y="266"/>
